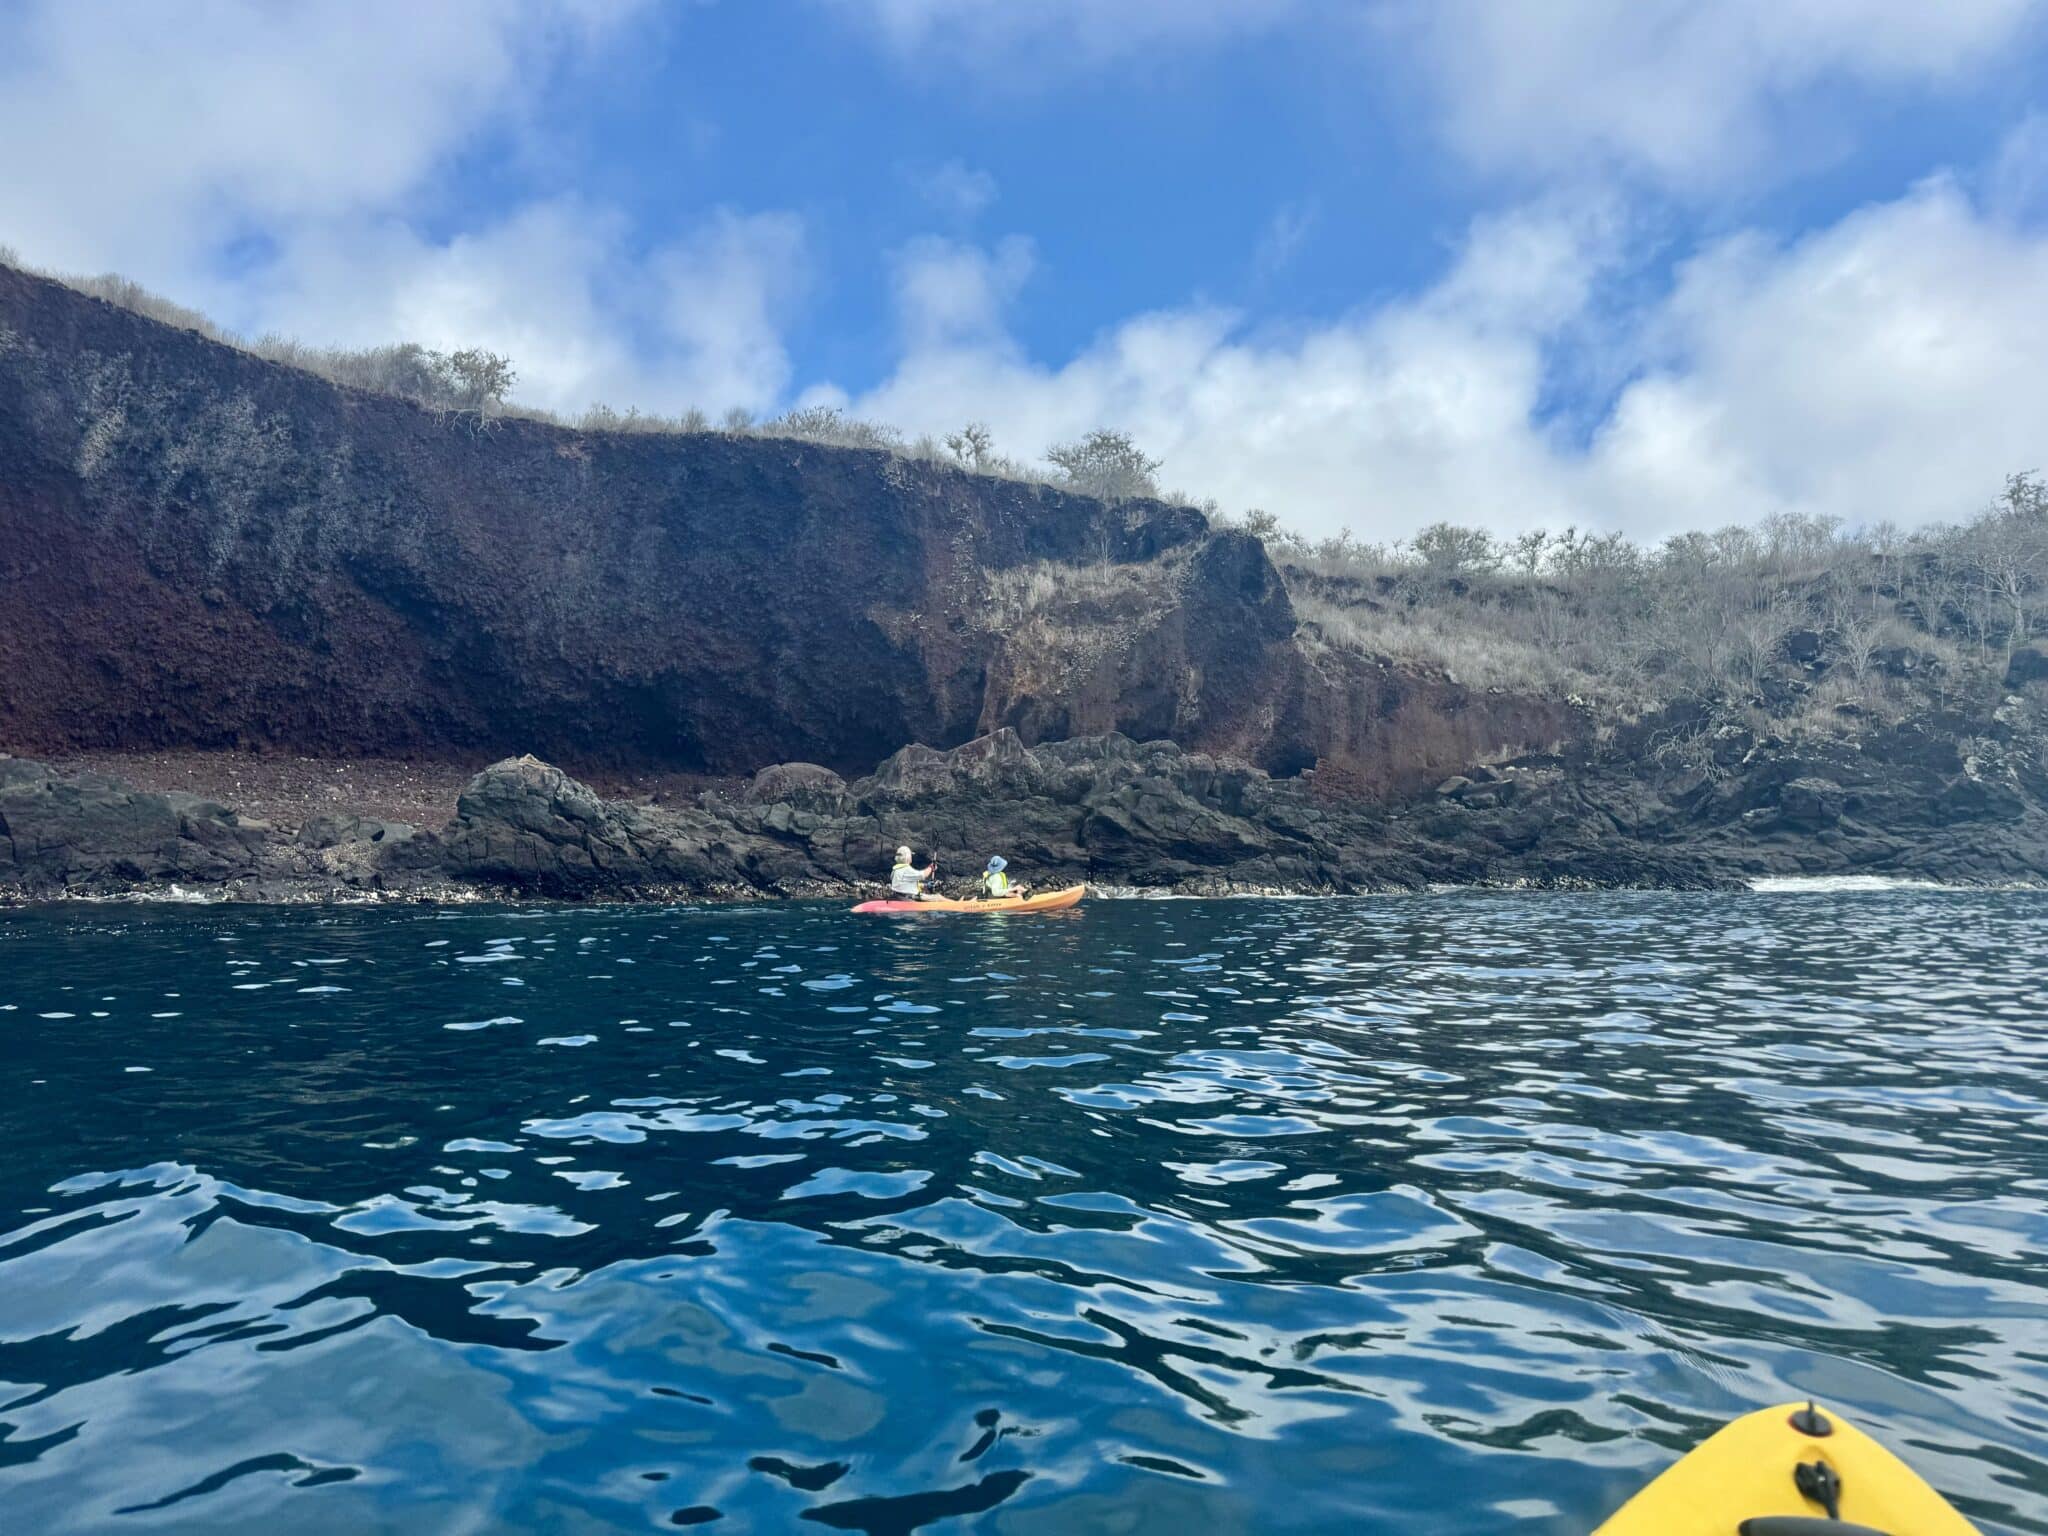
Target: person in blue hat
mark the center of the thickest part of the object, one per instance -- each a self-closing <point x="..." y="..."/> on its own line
<point x="995" y="884"/>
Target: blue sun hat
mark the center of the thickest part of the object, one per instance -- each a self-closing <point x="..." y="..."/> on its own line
<point x="997" y="864"/>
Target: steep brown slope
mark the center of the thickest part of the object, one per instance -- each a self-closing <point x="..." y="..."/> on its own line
<point x="203" y="549"/>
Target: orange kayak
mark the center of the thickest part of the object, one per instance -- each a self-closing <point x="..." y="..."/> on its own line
<point x="1051" y="901"/>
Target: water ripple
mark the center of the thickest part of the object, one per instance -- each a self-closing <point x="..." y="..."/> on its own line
<point x="1451" y="1213"/>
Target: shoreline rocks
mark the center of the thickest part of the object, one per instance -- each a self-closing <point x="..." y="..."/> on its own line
<point x="1105" y="809"/>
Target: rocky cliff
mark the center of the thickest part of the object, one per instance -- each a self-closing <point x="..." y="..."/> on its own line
<point x="202" y="548"/>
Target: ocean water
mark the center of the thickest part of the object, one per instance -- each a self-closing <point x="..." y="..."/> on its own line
<point x="1461" y="1213"/>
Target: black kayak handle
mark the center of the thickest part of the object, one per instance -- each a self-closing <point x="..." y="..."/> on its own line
<point x="1803" y="1525"/>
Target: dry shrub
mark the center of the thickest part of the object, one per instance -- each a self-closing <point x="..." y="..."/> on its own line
<point x="1475" y="654"/>
<point x="1785" y="621"/>
<point x="1051" y="589"/>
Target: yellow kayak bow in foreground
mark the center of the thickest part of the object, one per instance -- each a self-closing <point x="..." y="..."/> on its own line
<point x="1792" y="1470"/>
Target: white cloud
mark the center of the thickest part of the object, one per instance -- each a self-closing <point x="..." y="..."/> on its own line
<point x="958" y="190"/>
<point x="1282" y="239"/>
<point x="363" y="285"/>
<point x="1884" y="367"/>
<point x="2016" y="184"/>
<point x="1686" y="92"/>
<point x="1421" y="404"/>
<point x="728" y="295"/>
<point x="950" y="294"/>
<point x="140" y="137"/>
<point x="697" y="323"/>
<point x="150" y="140"/>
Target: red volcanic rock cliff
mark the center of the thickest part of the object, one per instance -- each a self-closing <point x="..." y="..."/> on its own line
<point x="202" y="548"/>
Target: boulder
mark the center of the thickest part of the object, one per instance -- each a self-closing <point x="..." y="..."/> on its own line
<point x="87" y="830"/>
<point x="799" y="784"/>
<point x="2029" y="664"/>
<point x="527" y="825"/>
<point x="918" y="772"/>
<point x="1802" y="647"/>
<point x="1809" y="804"/>
<point x="1969" y="797"/>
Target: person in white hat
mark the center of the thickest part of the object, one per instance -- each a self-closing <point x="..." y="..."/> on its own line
<point x="906" y="879"/>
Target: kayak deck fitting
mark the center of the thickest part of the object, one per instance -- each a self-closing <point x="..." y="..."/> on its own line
<point x="1788" y="1471"/>
<point x="1051" y="901"/>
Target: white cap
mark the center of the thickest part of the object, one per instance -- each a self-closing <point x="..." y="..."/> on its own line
<point x="904" y="852"/>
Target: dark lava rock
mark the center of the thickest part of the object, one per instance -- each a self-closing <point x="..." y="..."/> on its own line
<point x="1731" y="744"/>
<point x="526" y="825"/>
<point x="1901" y="660"/>
<point x="1101" y="809"/>
<point x="1809" y="804"/>
<point x="797" y="784"/>
<point x="84" y="830"/>
<point x="1803" y="647"/>
<point x="2029" y="664"/>
<point x="1969" y="797"/>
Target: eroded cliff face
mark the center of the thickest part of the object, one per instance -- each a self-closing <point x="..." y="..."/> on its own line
<point x="201" y="548"/>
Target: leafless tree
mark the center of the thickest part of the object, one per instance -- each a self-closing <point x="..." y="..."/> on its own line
<point x="973" y="446"/>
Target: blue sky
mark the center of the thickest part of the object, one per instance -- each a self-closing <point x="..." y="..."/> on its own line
<point x="1367" y="263"/>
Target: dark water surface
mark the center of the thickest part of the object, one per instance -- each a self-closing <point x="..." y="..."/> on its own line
<point x="1443" y="1214"/>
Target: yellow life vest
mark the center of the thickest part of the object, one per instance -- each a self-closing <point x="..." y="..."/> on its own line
<point x="995" y="882"/>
